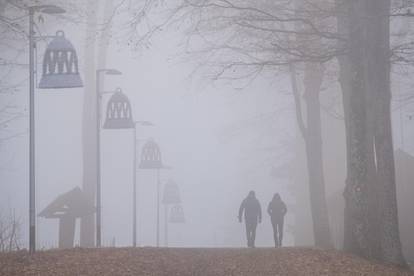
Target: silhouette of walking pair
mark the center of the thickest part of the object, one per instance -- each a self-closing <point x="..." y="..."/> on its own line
<point x="252" y="210"/>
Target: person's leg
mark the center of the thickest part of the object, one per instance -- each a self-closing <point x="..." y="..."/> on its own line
<point x="247" y="234"/>
<point x="275" y="237"/>
<point x="251" y="231"/>
<point x="254" y="226"/>
<point x="280" y="231"/>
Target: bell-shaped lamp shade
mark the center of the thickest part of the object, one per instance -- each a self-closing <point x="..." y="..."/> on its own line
<point x="151" y="156"/>
<point x="118" y="112"/>
<point x="60" y="64"/>
<point x="177" y="214"/>
<point x="171" y="193"/>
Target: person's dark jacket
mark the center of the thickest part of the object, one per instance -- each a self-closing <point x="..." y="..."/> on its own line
<point x="252" y="210"/>
<point x="277" y="208"/>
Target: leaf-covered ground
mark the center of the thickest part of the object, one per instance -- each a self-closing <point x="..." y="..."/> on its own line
<point x="203" y="262"/>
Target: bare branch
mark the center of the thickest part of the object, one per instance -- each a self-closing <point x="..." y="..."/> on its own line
<point x="298" y="102"/>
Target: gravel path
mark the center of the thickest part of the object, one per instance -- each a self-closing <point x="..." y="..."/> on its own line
<point x="203" y="262"/>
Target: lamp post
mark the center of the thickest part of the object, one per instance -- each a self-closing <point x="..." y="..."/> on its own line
<point x="177" y="214"/>
<point x="98" y="99"/>
<point x="151" y="159"/>
<point x="158" y="207"/>
<point x="64" y="77"/>
<point x="119" y="116"/>
<point x="134" y="192"/>
<point x="171" y="196"/>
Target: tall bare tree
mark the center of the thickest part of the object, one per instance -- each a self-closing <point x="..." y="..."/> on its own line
<point x="99" y="31"/>
<point x="313" y="74"/>
<point x="371" y="217"/>
<point x="87" y="222"/>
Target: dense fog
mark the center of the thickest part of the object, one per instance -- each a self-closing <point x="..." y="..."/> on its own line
<point x="219" y="137"/>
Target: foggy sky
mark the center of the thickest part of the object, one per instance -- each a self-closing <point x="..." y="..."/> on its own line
<point x="202" y="133"/>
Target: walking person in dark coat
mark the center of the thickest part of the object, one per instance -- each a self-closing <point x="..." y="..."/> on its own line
<point x="252" y="215"/>
<point x="277" y="211"/>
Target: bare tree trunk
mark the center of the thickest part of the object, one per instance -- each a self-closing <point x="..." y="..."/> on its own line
<point x="87" y="224"/>
<point x="105" y="37"/>
<point x="312" y="135"/>
<point x="345" y="83"/>
<point x="89" y="123"/>
<point x="391" y="249"/>
<point x="378" y="41"/>
<point x="312" y="82"/>
<point x="3" y="5"/>
<point x="360" y="235"/>
<point x="371" y="221"/>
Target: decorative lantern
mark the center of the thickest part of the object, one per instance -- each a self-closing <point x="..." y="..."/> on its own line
<point x="171" y="193"/>
<point x="177" y="214"/>
<point x="151" y="156"/>
<point x="60" y="64"/>
<point x="118" y="112"/>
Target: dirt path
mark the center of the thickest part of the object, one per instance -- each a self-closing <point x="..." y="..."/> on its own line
<point x="203" y="262"/>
